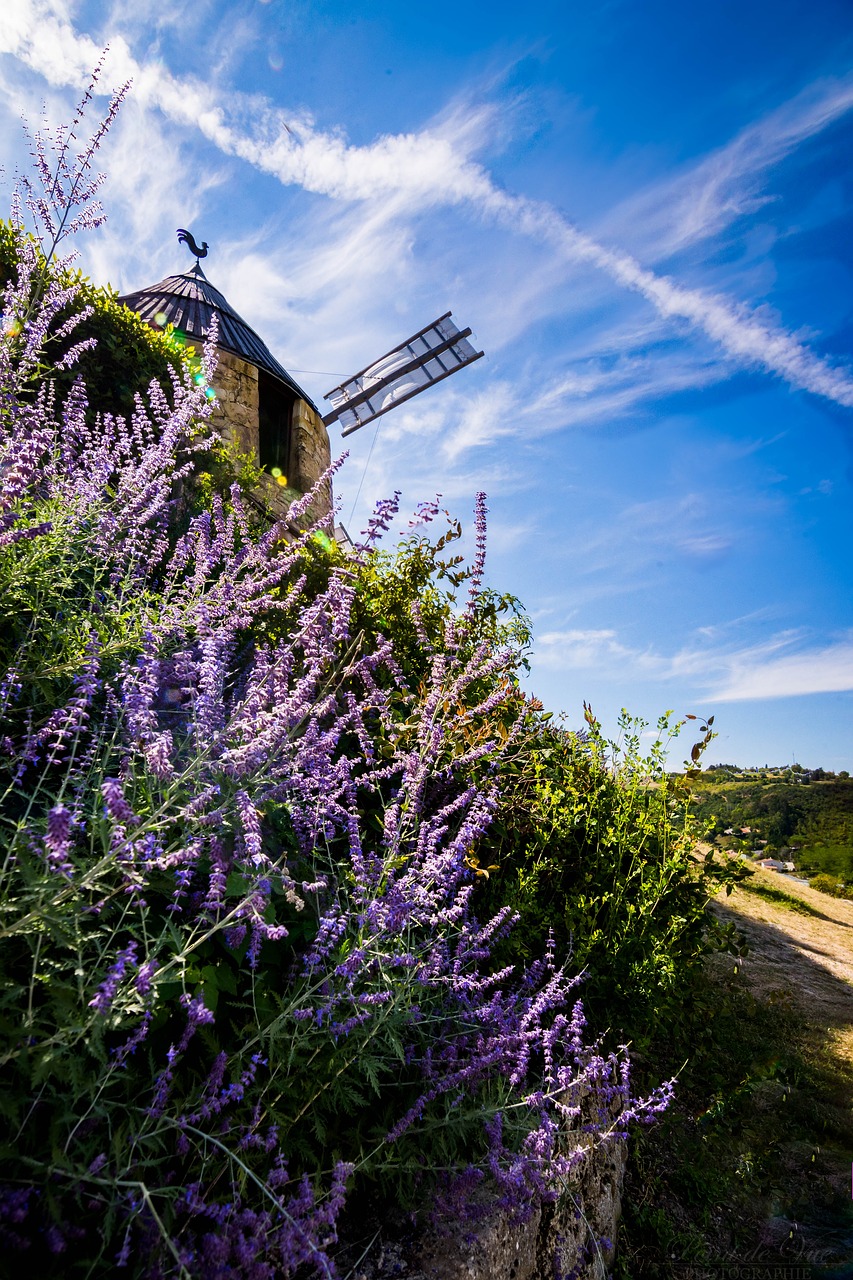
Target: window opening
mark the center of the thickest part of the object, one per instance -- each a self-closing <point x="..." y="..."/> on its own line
<point x="275" y="414"/>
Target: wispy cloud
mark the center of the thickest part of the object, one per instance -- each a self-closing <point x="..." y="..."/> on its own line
<point x="824" y="669"/>
<point x="605" y="389"/>
<point x="579" y="649"/>
<point x="711" y="194"/>
<point x="781" y="667"/>
<point x="742" y="333"/>
<point x="431" y="167"/>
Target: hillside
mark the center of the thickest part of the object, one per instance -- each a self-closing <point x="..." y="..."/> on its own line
<point x="751" y="1168"/>
<point x="299" y="889"/>
<point x="806" y="811"/>
<point x="253" y="789"/>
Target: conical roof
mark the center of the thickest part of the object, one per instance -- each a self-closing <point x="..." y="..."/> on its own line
<point x="188" y="301"/>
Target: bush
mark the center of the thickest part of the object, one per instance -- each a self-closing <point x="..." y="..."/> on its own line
<point x="594" y="842"/>
<point x="825" y="883"/>
<point x="126" y="354"/>
<point x="240" y="968"/>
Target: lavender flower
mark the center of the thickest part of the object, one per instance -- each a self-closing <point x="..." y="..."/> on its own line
<point x="58" y="839"/>
<point x="115" y="804"/>
<point x="238" y="736"/>
<point x="478" y="567"/>
<point x="144" y="974"/>
<point x="134" y="1040"/>
<point x="106" y="994"/>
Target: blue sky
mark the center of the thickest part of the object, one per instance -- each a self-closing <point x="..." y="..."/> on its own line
<point x="644" y="211"/>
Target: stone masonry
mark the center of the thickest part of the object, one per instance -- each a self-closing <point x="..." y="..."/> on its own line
<point x="572" y="1238"/>
<point x="236" y="412"/>
<point x="236" y="417"/>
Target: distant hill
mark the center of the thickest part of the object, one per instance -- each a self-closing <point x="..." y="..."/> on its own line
<point x="807" y="811"/>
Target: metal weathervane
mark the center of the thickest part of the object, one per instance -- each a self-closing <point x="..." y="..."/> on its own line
<point x="186" y="237"/>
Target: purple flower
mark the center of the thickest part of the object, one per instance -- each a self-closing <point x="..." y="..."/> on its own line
<point x="197" y="1014"/>
<point x="115" y="804"/>
<point x="476" y="577"/>
<point x="102" y="1002"/>
<point x="55" y="1240"/>
<point x="58" y="839"/>
<point x="251" y="828"/>
<point x="143" y="976"/>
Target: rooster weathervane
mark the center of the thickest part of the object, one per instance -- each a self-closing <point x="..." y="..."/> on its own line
<point x="186" y="237"/>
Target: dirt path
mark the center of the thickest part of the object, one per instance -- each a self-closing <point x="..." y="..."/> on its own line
<point x="810" y="956"/>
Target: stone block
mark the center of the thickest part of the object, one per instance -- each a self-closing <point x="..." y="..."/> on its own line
<point x="235" y="416"/>
<point x="569" y="1232"/>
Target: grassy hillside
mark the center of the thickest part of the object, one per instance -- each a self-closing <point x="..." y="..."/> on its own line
<point x="269" y="812"/>
<point x="249" y="788"/>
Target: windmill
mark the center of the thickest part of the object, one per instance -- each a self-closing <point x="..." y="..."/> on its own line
<point x="263" y="410"/>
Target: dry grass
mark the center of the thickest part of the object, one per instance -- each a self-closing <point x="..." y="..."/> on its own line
<point x="809" y="956"/>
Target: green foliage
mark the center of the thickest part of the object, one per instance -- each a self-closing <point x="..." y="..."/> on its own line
<point x="830" y="884"/>
<point x="817" y="819"/>
<point x="56" y="603"/>
<point x="412" y="592"/>
<point x="221" y="467"/>
<point x="129" y="354"/>
<point x="593" y="843"/>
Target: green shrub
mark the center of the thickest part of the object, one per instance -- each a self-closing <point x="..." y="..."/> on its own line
<point x="410" y="593"/>
<point x="595" y="845"/>
<point x="239" y="965"/>
<point x="129" y="354"/>
<point x="825" y="883"/>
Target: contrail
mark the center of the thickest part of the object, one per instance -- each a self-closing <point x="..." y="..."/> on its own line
<point x="415" y="170"/>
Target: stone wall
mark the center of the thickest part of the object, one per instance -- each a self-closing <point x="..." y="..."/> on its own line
<point x="236" y="413"/>
<point x="309" y="445"/>
<point x="236" y="418"/>
<point x="310" y="453"/>
<point x="572" y="1238"/>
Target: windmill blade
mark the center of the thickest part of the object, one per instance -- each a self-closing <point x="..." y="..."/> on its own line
<point x="429" y="356"/>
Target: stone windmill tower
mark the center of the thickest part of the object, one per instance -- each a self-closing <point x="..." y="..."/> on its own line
<point x="260" y="407"/>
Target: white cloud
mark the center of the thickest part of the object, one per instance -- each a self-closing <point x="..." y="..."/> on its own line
<point x="606" y="389"/>
<point x="725" y="185"/>
<point x="742" y="333"/>
<point x="576" y="649"/>
<point x="826" y="669"/>
<point x="780" y="667"/>
<point x="498" y="410"/>
<point x="422" y="170"/>
<point x="591" y="392"/>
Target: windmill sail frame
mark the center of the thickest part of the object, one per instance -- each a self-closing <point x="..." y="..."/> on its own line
<point x="428" y="356"/>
